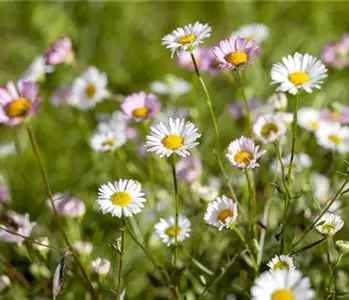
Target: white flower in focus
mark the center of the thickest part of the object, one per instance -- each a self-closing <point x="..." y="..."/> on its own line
<point x="309" y="118"/>
<point x="333" y="136"/>
<point x="330" y="224"/>
<point x="269" y="128"/>
<point x="282" y="262"/>
<point x="167" y="231"/>
<point x="256" y="31"/>
<point x="173" y="86"/>
<point x="101" y="266"/>
<point x="37" y="69"/>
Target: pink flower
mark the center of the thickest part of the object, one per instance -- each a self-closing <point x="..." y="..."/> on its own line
<point x="68" y="205"/>
<point x="336" y="55"/>
<point x="341" y="114"/>
<point x="61" y="51"/>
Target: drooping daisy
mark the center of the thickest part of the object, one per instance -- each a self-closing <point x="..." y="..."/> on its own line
<point x="60" y="51"/>
<point x="281" y="262"/>
<point x="237" y="53"/>
<point x="309" y="118"/>
<point x="243" y="153"/>
<point x="121" y="198"/>
<point x="101" y="266"/>
<point x="334" y="137"/>
<point x="178" y="136"/>
<point x="189" y="168"/>
<point x="336" y="54"/>
<point x="282" y="285"/>
<point x="330" y="224"/>
<point x="89" y="89"/>
<point x="221" y="212"/>
<point x="166" y="229"/>
<point x="300" y="71"/>
<point x="257" y="32"/>
<point x="37" y="69"/>
<point x="68" y="205"/>
<point x="140" y="106"/>
<point x="268" y="128"/>
<point x="103" y="141"/>
<point x="186" y="38"/>
<point x="300" y="162"/>
<point x="172" y="85"/>
<point x="17" y="103"/>
<point x="278" y="101"/>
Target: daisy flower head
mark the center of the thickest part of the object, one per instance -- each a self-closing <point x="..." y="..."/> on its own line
<point x="37" y="69"/>
<point x="123" y="198"/>
<point x="243" y="153"/>
<point x="221" y="213"/>
<point x="89" y="89"/>
<point x="282" y="285"/>
<point x="257" y="32"/>
<point x="309" y="118"/>
<point x="172" y="85"/>
<point x="336" y="55"/>
<point x="140" y="106"/>
<point x="177" y="136"/>
<point x="298" y="72"/>
<point x="60" y="51"/>
<point x="336" y="113"/>
<point x="101" y="266"/>
<point x="330" y="224"/>
<point x="281" y="262"/>
<point x="68" y="205"/>
<point x="236" y="53"/>
<point x="269" y="128"/>
<point x="17" y="103"/>
<point x="333" y="136"/>
<point x="166" y="229"/>
<point x="186" y="38"/>
<point x="103" y="141"/>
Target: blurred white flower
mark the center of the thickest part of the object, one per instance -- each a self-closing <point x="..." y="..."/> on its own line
<point x="258" y="32"/>
<point x="309" y="118"/>
<point x="68" y="205"/>
<point x="189" y="168"/>
<point x="333" y="136"/>
<point x="278" y="101"/>
<point x="321" y="186"/>
<point x="101" y="266"/>
<point x="281" y="262"/>
<point x="4" y="282"/>
<point x="103" y="141"/>
<point x="172" y="85"/>
<point x="83" y="247"/>
<point x="42" y="249"/>
<point x="7" y="149"/>
<point x="205" y="192"/>
<point x="300" y="162"/>
<point x="37" y="69"/>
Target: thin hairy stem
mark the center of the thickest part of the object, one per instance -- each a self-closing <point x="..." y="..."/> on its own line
<point x="121" y="258"/>
<point x="244" y="97"/>
<point x="176" y="198"/>
<point x="252" y="205"/>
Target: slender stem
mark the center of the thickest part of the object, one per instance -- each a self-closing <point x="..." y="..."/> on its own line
<point x="58" y="220"/>
<point x="263" y="231"/>
<point x="175" y="184"/>
<point x="333" y="285"/>
<point x="252" y="205"/>
<point x="214" y="121"/>
<point x="244" y="97"/>
<point x="121" y="259"/>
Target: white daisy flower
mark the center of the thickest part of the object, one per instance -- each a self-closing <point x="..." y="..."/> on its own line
<point x="331" y="223"/>
<point x="101" y="266"/>
<point x="172" y="85"/>
<point x="300" y="71"/>
<point x="278" y="101"/>
<point x="309" y="118"/>
<point x="243" y="153"/>
<point x="37" y="69"/>
<point x="205" y="192"/>
<point x="282" y="285"/>
<point x="186" y="38"/>
<point x="176" y="137"/>
<point x="281" y="262"/>
<point x="268" y="128"/>
<point x="257" y="32"/>
<point x="221" y="212"/>
<point x="300" y="162"/>
<point x="333" y="136"/>
<point x="124" y="198"/>
<point x="166" y="229"/>
<point x="89" y="89"/>
<point x="102" y="141"/>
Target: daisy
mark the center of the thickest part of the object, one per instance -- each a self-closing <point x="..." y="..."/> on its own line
<point x="257" y="32"/>
<point x="300" y="71"/>
<point x="61" y="51"/>
<point x="330" y="224"/>
<point x="19" y="102"/>
<point x="309" y="118"/>
<point x="337" y="113"/>
<point x="107" y="140"/>
<point x="336" y="55"/>
<point x="37" y="69"/>
<point x="123" y="198"/>
<point x="140" y="106"/>
<point x="282" y="262"/>
<point x="186" y="38"/>
<point x="334" y="137"/>
<point x="278" y="101"/>
<point x="282" y="285"/>
<point x="177" y="136"/>
<point x="101" y="266"/>
<point x="189" y="168"/>
<point x="342" y="246"/>
<point x="243" y="153"/>
<point x="172" y="85"/>
<point x="268" y="128"/>
<point x="205" y="192"/>
<point x="68" y="205"/>
<point x="89" y="89"/>
<point x="166" y="229"/>
<point x="236" y="53"/>
<point x="221" y="213"/>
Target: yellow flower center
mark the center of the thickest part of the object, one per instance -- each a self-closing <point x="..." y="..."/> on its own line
<point x="269" y="128"/>
<point x="335" y="139"/>
<point x="172" y="231"/>
<point x="298" y="78"/>
<point x="328" y="227"/>
<point x="90" y="91"/>
<point x="172" y="142"/>
<point x="18" y="108"/>
<point x="243" y="157"/>
<point x="108" y="143"/>
<point x="283" y="294"/>
<point x="187" y="39"/>
<point x="224" y="214"/>
<point x="121" y="199"/>
<point x="314" y="124"/>
<point x="336" y="115"/>
<point x="281" y="265"/>
<point x="236" y="58"/>
<point x="141" y="112"/>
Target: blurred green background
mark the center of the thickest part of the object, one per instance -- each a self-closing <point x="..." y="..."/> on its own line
<point x="123" y="39"/>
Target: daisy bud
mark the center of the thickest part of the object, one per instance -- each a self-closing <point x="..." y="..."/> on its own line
<point x="342" y="246"/>
<point x="61" y="51"/>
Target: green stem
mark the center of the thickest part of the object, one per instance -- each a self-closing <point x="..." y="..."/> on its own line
<point x="175" y="184"/>
<point x="244" y="97"/>
<point x="333" y="283"/>
<point x="252" y="205"/>
<point x="121" y="258"/>
<point x="214" y="121"/>
<point x="57" y="217"/>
